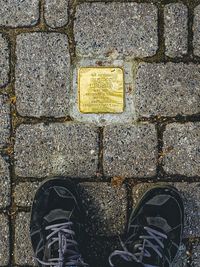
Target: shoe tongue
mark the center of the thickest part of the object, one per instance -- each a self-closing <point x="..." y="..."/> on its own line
<point x="58" y="216"/>
<point x="159" y="224"/>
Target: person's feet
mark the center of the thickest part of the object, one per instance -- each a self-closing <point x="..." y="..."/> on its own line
<point x="154" y="231"/>
<point x="55" y="225"/>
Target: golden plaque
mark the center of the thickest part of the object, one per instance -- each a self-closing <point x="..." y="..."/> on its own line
<point x="101" y="90"/>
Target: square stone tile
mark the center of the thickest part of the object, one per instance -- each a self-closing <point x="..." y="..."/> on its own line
<point x="105" y="207"/>
<point x="130" y="150"/>
<point x="4" y="183"/>
<point x="4" y="121"/>
<point x="14" y="13"/>
<point x="42" y="74"/>
<point x="123" y="29"/>
<point x="4" y="240"/>
<point x="181" y="150"/>
<point x="65" y="149"/>
<point x="23" y="252"/>
<point x="4" y="60"/>
<point x="56" y="12"/>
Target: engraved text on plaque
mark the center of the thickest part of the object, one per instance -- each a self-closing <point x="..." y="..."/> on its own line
<point x="101" y="90"/>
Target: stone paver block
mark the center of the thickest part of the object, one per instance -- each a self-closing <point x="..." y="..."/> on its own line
<point x="130" y="151"/>
<point x="176" y="29"/>
<point x="157" y="83"/>
<point x="56" y="149"/>
<point x="42" y="74"/>
<point x="4" y="60"/>
<point x="195" y="254"/>
<point x="126" y="29"/>
<point x="4" y="183"/>
<point x="25" y="192"/>
<point x="56" y="12"/>
<point x="23" y="252"/>
<point x="190" y="193"/>
<point x="105" y="207"/>
<point x="100" y="119"/>
<point x="4" y="240"/>
<point x="15" y="13"/>
<point x="191" y="196"/>
<point x="4" y="120"/>
<point x="181" y="151"/>
<point x="196" y="31"/>
<point x="99" y="249"/>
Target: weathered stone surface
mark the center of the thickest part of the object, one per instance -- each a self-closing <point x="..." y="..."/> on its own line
<point x="99" y="249"/>
<point x="125" y="29"/>
<point x="4" y="60"/>
<point x="130" y="151"/>
<point x="56" y="12"/>
<point x="4" y="120"/>
<point x="190" y="193"/>
<point x="4" y="184"/>
<point x="4" y="240"/>
<point x="56" y="149"/>
<point x="196" y="31"/>
<point x="103" y="119"/>
<point x="42" y="74"/>
<point x="167" y="89"/>
<point x="196" y="254"/>
<point x="23" y="252"/>
<point x="181" y="151"/>
<point x="14" y="13"/>
<point x="24" y="193"/>
<point x="191" y="196"/>
<point x="176" y="29"/>
<point x="105" y="207"/>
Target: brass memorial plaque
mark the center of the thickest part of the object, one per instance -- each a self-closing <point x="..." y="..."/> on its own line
<point x="101" y="90"/>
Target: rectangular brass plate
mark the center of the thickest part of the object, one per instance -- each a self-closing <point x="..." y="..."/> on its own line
<point x="101" y="90"/>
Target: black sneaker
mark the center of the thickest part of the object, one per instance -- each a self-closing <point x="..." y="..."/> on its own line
<point x="154" y="231"/>
<point x="56" y="225"/>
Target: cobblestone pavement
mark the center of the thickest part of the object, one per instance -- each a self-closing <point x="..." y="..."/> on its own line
<point x="113" y="157"/>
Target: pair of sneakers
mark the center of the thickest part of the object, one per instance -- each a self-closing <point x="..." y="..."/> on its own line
<point x="153" y="234"/>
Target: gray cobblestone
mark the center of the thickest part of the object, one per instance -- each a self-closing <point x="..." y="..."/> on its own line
<point x="125" y="29"/>
<point x="196" y="255"/>
<point x="4" y="184"/>
<point x="56" y="149"/>
<point x="98" y="250"/>
<point x="181" y="149"/>
<point x="157" y="83"/>
<point x="25" y="192"/>
<point x="190" y="193"/>
<point x="4" y="61"/>
<point x="42" y="74"/>
<point x="130" y="151"/>
<point x="15" y="13"/>
<point x="4" y="240"/>
<point x="4" y="120"/>
<point x="196" y="31"/>
<point x="56" y="12"/>
<point x="176" y="32"/>
<point x="105" y="208"/>
<point x="23" y="253"/>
